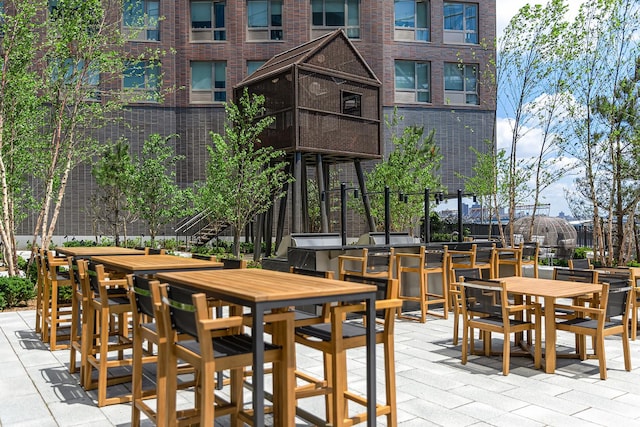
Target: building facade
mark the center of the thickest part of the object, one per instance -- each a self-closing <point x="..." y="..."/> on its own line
<point x="432" y="57"/>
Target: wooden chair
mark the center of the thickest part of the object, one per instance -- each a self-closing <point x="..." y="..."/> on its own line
<point x="456" y="295"/>
<point x="144" y="295"/>
<point x="507" y="256"/>
<point x="611" y="317"/>
<point x="580" y="263"/>
<point x="335" y="338"/>
<point x="78" y="275"/>
<point x="424" y="263"/>
<point x="371" y="263"/>
<point x="215" y="345"/>
<point x="108" y="303"/>
<point x="487" y="308"/>
<point x="611" y="274"/>
<point x="56" y="315"/>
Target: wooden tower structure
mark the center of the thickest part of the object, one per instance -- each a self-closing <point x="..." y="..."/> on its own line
<point x="327" y="106"/>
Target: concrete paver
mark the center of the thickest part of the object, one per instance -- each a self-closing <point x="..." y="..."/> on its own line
<point x="434" y="388"/>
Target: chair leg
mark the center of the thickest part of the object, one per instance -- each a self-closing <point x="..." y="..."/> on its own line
<point x="506" y="354"/>
<point x="390" y="382"/>
<point x="602" y="360"/>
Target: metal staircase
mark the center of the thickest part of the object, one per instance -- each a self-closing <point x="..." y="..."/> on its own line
<point x="199" y="230"/>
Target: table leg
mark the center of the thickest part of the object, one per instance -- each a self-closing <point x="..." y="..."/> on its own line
<point x="257" y="331"/>
<point x="549" y="335"/>
<point x="371" y="362"/>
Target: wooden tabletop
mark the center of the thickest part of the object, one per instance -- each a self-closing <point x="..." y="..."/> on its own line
<point x="90" y="251"/>
<point x="548" y="288"/>
<point x="259" y="285"/>
<point x="153" y="263"/>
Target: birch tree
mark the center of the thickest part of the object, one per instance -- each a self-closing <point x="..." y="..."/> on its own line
<point x="523" y="67"/>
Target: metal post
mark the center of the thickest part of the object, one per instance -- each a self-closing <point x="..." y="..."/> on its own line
<point x="459" y="215"/>
<point x="343" y="213"/>
<point x="387" y="216"/>
<point x="427" y="216"/>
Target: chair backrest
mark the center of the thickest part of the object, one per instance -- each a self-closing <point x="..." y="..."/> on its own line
<point x="142" y="301"/>
<point x="575" y="275"/>
<point x="584" y="263"/>
<point x="387" y="288"/>
<point x="530" y="250"/>
<point x="179" y="304"/>
<point x="77" y="273"/>
<point x="95" y="273"/>
<point x="617" y="299"/>
<point x="484" y="253"/>
<point x="467" y="273"/>
<point x="309" y="272"/>
<point x="482" y="296"/>
<point x="233" y="263"/>
<point x="604" y="277"/>
<point x="379" y="260"/>
<point x="462" y="253"/>
<point x="435" y="257"/>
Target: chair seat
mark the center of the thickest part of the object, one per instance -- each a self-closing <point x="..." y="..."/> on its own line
<point x="228" y="345"/>
<point x="588" y="323"/>
<point x="498" y="321"/>
<point x="322" y="331"/>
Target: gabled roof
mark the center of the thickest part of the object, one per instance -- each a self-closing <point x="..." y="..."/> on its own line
<point x="318" y="53"/>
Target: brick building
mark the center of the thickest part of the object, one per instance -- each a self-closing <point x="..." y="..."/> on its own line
<point x="432" y="57"/>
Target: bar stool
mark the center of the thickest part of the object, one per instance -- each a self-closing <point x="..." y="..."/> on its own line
<point x="335" y="338"/>
<point x="109" y="306"/>
<point x="79" y="312"/>
<point x="214" y="345"/>
<point x="424" y="263"/>
<point x="56" y="314"/>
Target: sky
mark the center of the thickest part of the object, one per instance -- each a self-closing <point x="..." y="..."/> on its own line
<point x="505" y="10"/>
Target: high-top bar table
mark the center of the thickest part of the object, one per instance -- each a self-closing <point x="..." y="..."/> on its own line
<point x="549" y="290"/>
<point x="151" y="264"/>
<point x="264" y="290"/>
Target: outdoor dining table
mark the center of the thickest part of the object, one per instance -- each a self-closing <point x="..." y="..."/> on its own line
<point x="263" y="290"/>
<point x="151" y="264"/>
<point x="91" y="251"/>
<point x="549" y="290"/>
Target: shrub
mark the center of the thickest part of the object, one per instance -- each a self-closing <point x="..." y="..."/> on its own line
<point x="581" y="252"/>
<point x="15" y="291"/>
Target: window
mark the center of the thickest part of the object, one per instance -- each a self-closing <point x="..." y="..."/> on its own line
<point x="208" y="21"/>
<point x="413" y="81"/>
<point x="72" y="70"/>
<point x="208" y="82"/>
<point x="143" y="79"/>
<point x="460" y="23"/>
<point x="412" y="20"/>
<point x="264" y="20"/>
<point x="252" y="66"/>
<point x="351" y="103"/>
<point x="141" y="19"/>
<point x="327" y="15"/>
<point x="461" y="84"/>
